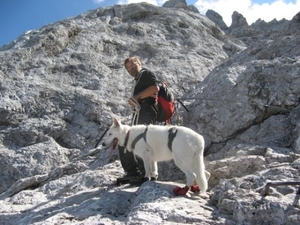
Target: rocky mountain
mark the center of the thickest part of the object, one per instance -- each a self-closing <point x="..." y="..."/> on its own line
<point x="62" y="84"/>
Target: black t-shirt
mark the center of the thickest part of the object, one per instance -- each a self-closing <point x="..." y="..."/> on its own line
<point x="145" y="79"/>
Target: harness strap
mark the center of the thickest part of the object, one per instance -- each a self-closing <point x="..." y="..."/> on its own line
<point x="126" y="139"/>
<point x="143" y="135"/>
<point x="172" y="134"/>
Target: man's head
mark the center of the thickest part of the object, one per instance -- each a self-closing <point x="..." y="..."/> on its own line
<point x="133" y="65"/>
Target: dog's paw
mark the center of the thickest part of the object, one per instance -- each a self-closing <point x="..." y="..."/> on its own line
<point x="195" y="188"/>
<point x="181" y="191"/>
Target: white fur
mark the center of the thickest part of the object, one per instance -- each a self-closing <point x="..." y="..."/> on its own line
<point x="187" y="149"/>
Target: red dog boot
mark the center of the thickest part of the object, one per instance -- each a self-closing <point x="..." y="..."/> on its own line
<point x="176" y="189"/>
<point x="181" y="191"/>
<point x="195" y="188"/>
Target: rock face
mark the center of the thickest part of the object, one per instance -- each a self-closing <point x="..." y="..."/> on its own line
<point x="179" y="4"/>
<point x="62" y="84"/>
<point x="217" y="19"/>
<point x="238" y="20"/>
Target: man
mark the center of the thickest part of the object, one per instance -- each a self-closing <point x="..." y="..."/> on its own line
<point x="144" y="94"/>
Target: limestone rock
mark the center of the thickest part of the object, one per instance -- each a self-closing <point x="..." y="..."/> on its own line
<point x="238" y="20"/>
<point x="179" y="4"/>
<point x="174" y="3"/>
<point x="62" y="84"/>
<point x="217" y="18"/>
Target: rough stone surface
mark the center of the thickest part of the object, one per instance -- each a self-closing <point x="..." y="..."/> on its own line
<point x="238" y="20"/>
<point x="62" y="84"/>
<point x="180" y="4"/>
<point x="217" y="19"/>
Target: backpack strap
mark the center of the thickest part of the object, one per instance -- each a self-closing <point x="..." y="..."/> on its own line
<point x="172" y="134"/>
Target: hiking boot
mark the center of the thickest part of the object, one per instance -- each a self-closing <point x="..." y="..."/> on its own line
<point x="129" y="176"/>
<point x="138" y="181"/>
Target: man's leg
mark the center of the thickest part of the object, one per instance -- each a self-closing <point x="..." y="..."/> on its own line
<point x="128" y="162"/>
<point x="146" y="116"/>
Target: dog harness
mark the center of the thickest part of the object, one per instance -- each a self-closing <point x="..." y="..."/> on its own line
<point x="142" y="135"/>
<point x="172" y="134"/>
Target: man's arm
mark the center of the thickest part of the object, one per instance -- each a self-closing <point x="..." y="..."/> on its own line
<point x="152" y="90"/>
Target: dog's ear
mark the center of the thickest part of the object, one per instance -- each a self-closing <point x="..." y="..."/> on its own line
<point x="116" y="123"/>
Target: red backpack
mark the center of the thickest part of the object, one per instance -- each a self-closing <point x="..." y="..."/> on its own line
<point x="166" y="103"/>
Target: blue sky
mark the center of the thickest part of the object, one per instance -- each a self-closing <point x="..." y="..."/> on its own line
<point x="19" y="16"/>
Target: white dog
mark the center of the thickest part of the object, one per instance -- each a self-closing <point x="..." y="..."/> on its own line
<point x="154" y="143"/>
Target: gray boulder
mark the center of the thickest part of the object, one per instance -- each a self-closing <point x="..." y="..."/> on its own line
<point x="62" y="84"/>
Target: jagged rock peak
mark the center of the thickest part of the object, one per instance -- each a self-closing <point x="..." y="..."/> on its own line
<point x="174" y="3"/>
<point x="238" y="20"/>
<point x="179" y="4"/>
<point x="297" y="17"/>
<point x="216" y="18"/>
